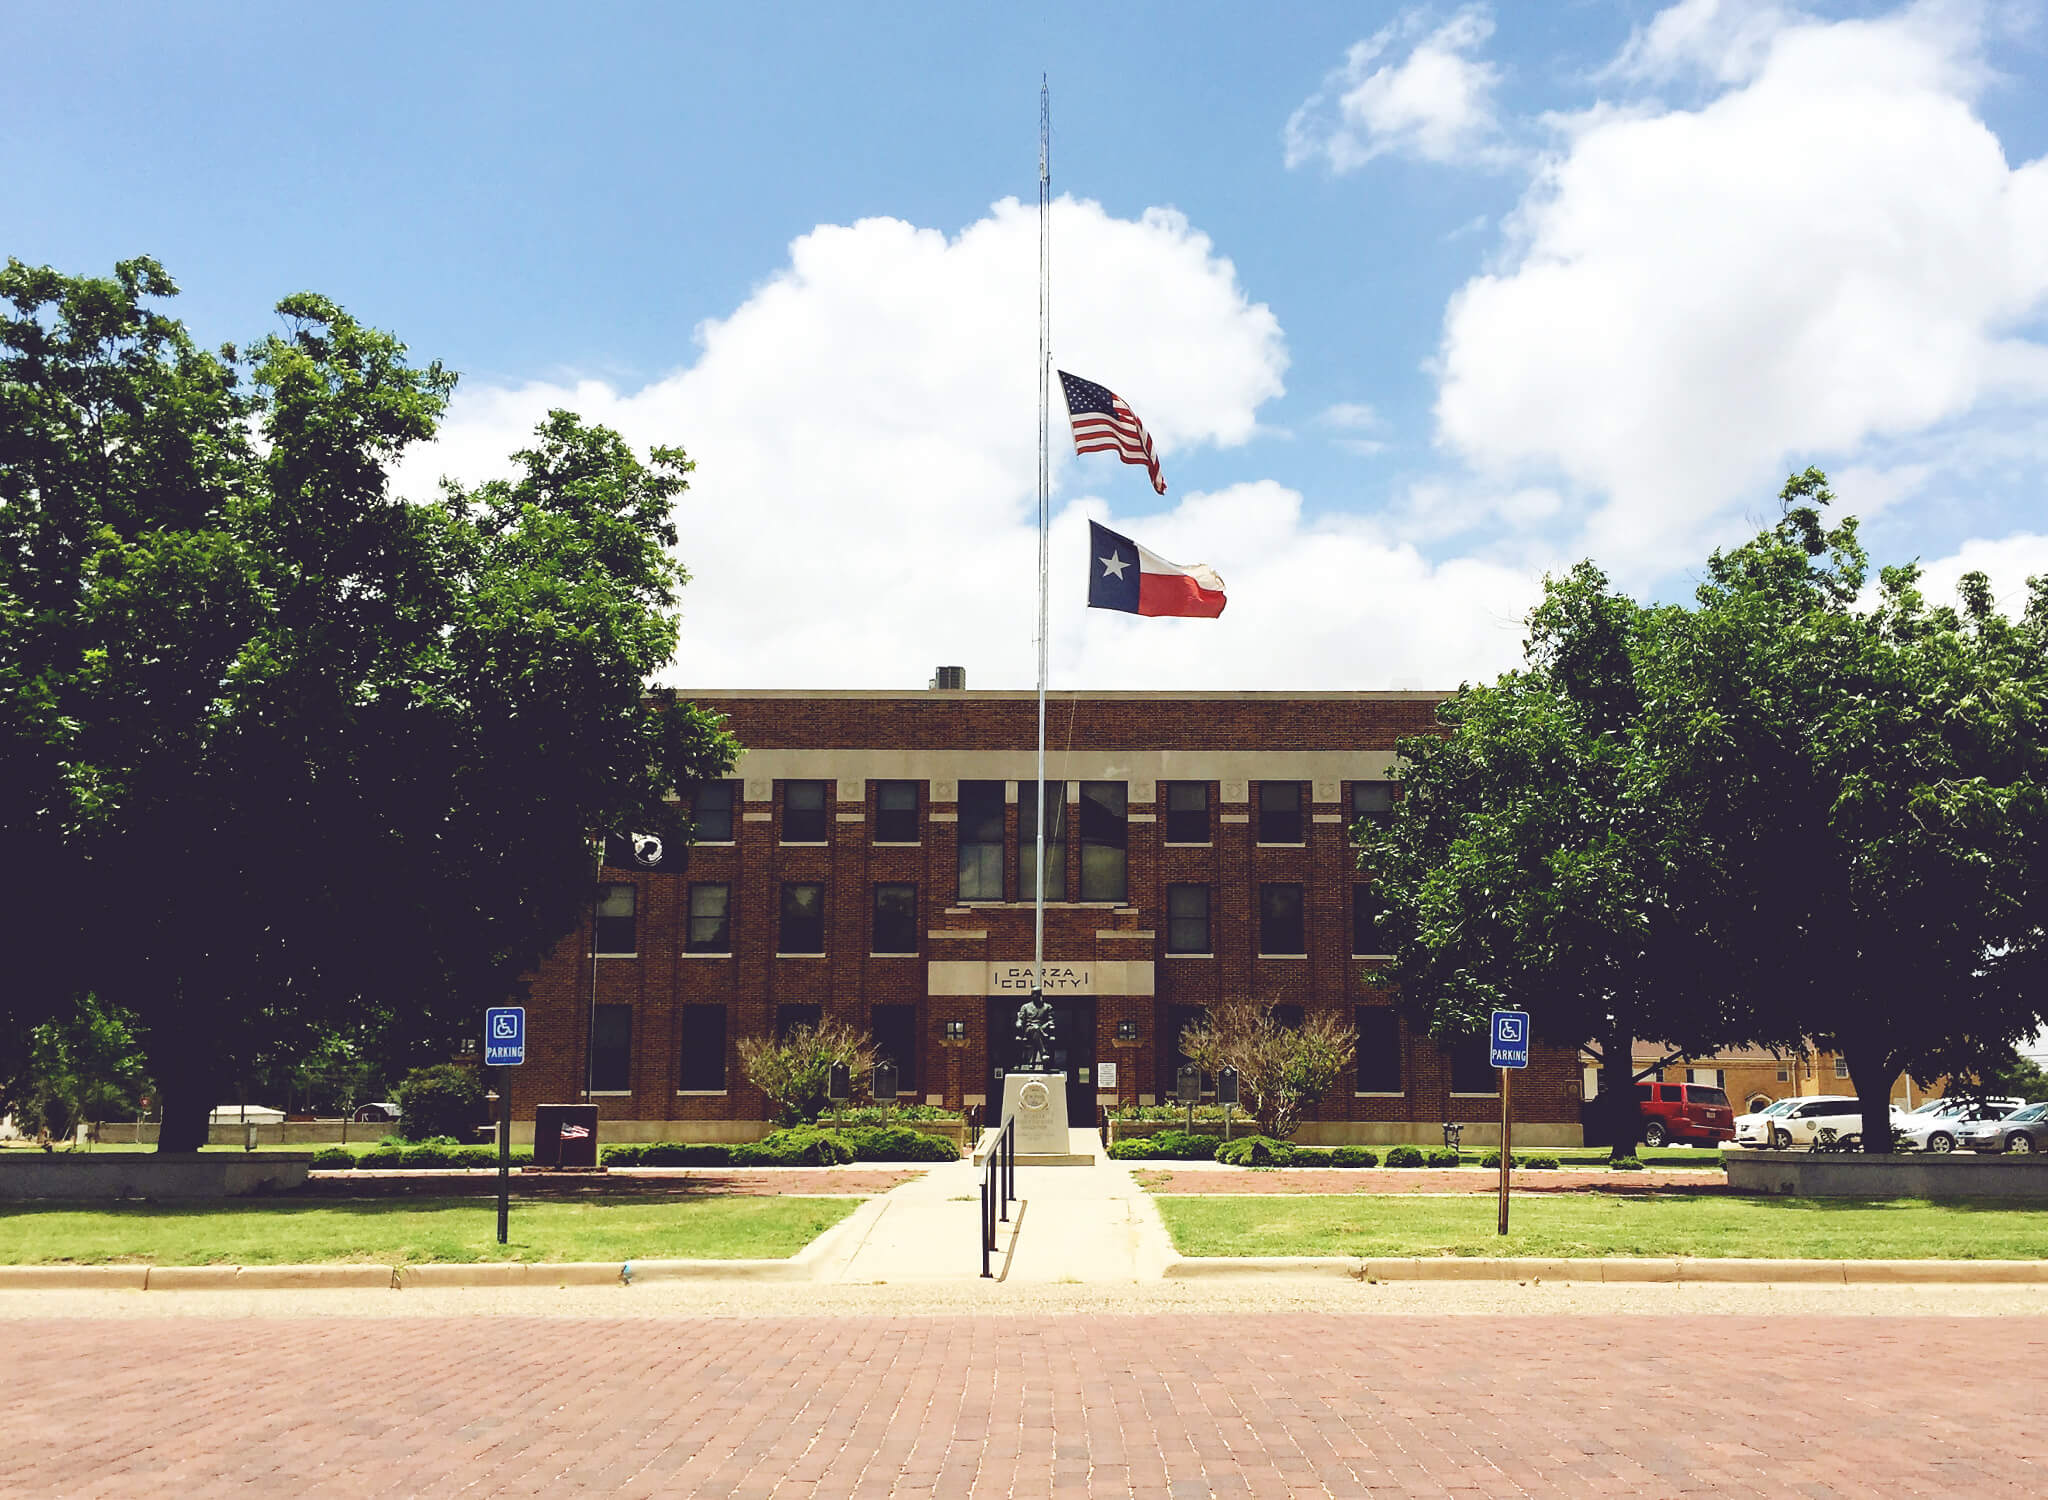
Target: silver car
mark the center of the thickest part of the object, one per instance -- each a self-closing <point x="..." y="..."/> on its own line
<point x="1937" y="1125"/>
<point x="2021" y="1132"/>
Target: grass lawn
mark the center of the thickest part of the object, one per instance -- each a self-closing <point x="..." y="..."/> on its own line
<point x="1744" y="1228"/>
<point x="414" y="1230"/>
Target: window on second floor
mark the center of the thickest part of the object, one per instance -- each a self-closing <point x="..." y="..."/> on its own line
<point x="1366" y="906"/>
<point x="1281" y="929"/>
<point x="1055" y="840"/>
<point x="802" y="928"/>
<point x="710" y="919"/>
<point x="1104" y="835"/>
<point x="981" y="840"/>
<point x="803" y="812"/>
<point x="1187" y="919"/>
<point x="1187" y="812"/>
<point x="895" y="929"/>
<point x="615" y="925"/>
<point x="895" y="812"/>
<point x="1373" y="800"/>
<point x="711" y="808"/>
<point x="1280" y="812"/>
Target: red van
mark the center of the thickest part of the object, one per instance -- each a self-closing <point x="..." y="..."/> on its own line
<point x="1684" y="1113"/>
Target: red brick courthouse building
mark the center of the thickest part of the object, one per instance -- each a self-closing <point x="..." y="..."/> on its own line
<point x="871" y="860"/>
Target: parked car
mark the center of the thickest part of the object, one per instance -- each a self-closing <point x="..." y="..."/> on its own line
<point x="1937" y="1125"/>
<point x="1802" y="1124"/>
<point x="2022" y="1131"/>
<point x="371" y="1114"/>
<point x="1754" y="1128"/>
<point x="1688" y="1113"/>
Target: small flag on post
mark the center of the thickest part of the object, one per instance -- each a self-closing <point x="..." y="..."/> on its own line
<point x="1122" y="575"/>
<point x="1103" y="424"/>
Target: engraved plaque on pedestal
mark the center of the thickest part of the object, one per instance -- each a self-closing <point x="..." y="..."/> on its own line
<point x="1039" y="1101"/>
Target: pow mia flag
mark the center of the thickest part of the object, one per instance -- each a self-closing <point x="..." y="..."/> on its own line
<point x="636" y="851"/>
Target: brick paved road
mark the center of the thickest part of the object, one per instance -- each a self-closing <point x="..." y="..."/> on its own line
<point x="950" y="1407"/>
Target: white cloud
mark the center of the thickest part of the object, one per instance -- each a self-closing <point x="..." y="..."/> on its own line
<point x="1352" y="416"/>
<point x="2008" y="561"/>
<point x="1833" y="251"/>
<point x="865" y="426"/>
<point x="1437" y="103"/>
<point x="1722" y="40"/>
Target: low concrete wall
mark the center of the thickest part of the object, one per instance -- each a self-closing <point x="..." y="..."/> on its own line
<point x="1960" y="1174"/>
<point x="128" y="1174"/>
<point x="1529" y="1135"/>
<point x="289" y="1133"/>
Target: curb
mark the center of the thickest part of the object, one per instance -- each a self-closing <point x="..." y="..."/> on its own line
<point x="1620" y="1270"/>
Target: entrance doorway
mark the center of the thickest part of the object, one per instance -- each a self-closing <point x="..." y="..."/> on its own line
<point x="1073" y="1050"/>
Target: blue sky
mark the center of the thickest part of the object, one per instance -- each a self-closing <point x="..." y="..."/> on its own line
<point x="1420" y="301"/>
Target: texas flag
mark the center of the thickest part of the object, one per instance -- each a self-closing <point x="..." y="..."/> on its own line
<point x="1122" y="575"/>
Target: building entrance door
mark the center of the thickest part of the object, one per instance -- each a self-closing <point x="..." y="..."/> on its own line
<point x="1073" y="1050"/>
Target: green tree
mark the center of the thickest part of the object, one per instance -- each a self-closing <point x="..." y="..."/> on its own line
<point x="1536" y="860"/>
<point x="1871" y="773"/>
<point x="1285" y="1069"/>
<point x="792" y="1071"/>
<point x="290" y="754"/>
<point x="80" y="1068"/>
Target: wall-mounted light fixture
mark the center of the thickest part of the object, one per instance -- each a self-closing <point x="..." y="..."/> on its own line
<point x="956" y="1031"/>
<point x="1127" y="1031"/>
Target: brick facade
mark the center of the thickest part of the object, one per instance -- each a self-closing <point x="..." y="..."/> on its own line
<point x="1116" y="950"/>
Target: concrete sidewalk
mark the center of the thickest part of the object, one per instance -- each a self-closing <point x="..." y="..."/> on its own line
<point x="1070" y="1224"/>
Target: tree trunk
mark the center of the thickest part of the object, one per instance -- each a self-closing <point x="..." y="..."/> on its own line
<point x="1873" y="1079"/>
<point x="1618" y="1094"/>
<point x="187" y="1086"/>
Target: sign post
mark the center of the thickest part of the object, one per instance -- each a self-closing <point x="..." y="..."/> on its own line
<point x="505" y="1047"/>
<point x="1509" y="1050"/>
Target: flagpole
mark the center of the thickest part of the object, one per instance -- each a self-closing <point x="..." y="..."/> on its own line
<point x="1044" y="512"/>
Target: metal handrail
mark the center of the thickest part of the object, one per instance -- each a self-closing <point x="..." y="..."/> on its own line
<point x="998" y="1187"/>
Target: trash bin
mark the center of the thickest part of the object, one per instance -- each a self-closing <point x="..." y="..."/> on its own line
<point x="565" y="1135"/>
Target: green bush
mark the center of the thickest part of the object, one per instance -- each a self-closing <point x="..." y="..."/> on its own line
<point x="1404" y="1156"/>
<point x="793" y="1071"/>
<point x="1491" y="1159"/>
<point x="1443" y="1156"/>
<point x="444" y="1100"/>
<point x="1167" y="1145"/>
<point x="1353" y="1156"/>
<point x="897" y="1143"/>
<point x="1312" y="1156"/>
<point x="381" y="1159"/>
<point x="892" y="1114"/>
<point x="798" y="1146"/>
<point x="623" y="1155"/>
<point x="1537" y="1163"/>
<point x="678" y="1154"/>
<point x="333" y="1159"/>
<point x="1255" y="1151"/>
<point x="1625" y="1164"/>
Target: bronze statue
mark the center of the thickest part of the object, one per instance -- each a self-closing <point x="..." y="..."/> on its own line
<point x="1034" y="1036"/>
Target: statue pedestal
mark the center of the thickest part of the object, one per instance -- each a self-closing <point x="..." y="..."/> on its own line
<point x="1039" y="1102"/>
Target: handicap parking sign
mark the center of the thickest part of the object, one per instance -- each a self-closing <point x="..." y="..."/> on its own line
<point x="1510" y="1039"/>
<point x="505" y="1036"/>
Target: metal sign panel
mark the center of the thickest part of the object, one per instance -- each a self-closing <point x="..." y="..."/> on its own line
<point x="505" y="1036"/>
<point x="1510" y="1039"/>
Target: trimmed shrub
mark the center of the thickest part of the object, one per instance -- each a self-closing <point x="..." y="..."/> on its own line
<point x="1311" y="1156"/>
<point x="429" y="1154"/>
<point x="1182" y="1145"/>
<point x="1404" y="1156"/>
<point x="1491" y="1159"/>
<point x="798" y="1146"/>
<point x="1537" y="1163"/>
<point x="1443" y="1156"/>
<point x="381" y="1159"/>
<point x="1254" y="1151"/>
<point x="623" y="1155"/>
<point x="444" y="1100"/>
<point x="1353" y="1156"/>
<point x="897" y="1143"/>
<point x="893" y="1114"/>
<point x="679" y="1154"/>
<point x="1625" y="1164"/>
<point x="333" y="1159"/>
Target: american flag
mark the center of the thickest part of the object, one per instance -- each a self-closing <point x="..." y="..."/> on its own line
<point x="1103" y="424"/>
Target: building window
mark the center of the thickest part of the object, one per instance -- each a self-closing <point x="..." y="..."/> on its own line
<point x="1187" y="919"/>
<point x="1187" y="812"/>
<point x="803" y="812"/>
<point x="1279" y="812"/>
<point x="1784" y="1075"/>
<point x="710" y="919"/>
<point x="894" y="1028"/>
<point x="611" y="1048"/>
<point x="1055" y="841"/>
<point x="1379" y="1050"/>
<point x="1841" y="1067"/>
<point x="711" y="810"/>
<point x="1373" y="800"/>
<point x="896" y="812"/>
<point x="1288" y="1017"/>
<point x="895" y="918"/>
<point x="790" y="1017"/>
<point x="1472" y="1066"/>
<point x="1366" y="907"/>
<point x="1280" y="924"/>
<point x="615" y="907"/>
<point x="702" y="1069"/>
<point x="803" y="918"/>
<point x="981" y="841"/>
<point x="1179" y="1018"/>
<point x="1103" y="837"/>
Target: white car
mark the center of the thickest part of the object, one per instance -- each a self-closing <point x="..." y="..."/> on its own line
<point x="1754" y="1128"/>
<point x="1802" y="1124"/>
<point x="1937" y="1125"/>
